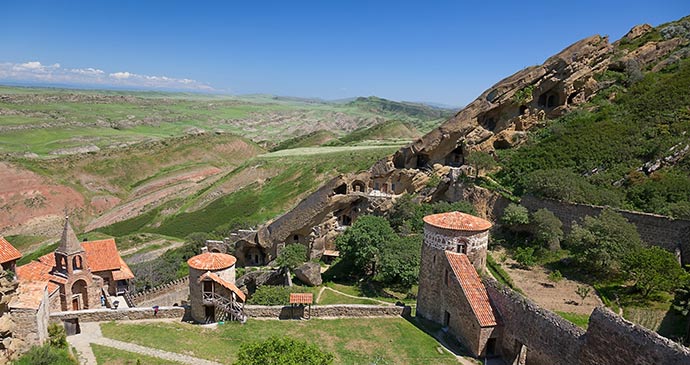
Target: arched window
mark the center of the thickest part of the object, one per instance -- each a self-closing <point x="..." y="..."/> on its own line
<point x="76" y="263"/>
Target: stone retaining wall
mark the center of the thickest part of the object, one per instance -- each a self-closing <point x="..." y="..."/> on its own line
<point x="124" y="314"/>
<point x="167" y="294"/>
<point x="320" y="311"/>
<point x="654" y="229"/>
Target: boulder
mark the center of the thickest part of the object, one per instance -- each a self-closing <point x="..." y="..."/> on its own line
<point x="309" y="273"/>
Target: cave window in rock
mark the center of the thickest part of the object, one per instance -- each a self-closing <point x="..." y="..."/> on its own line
<point x="571" y="98"/>
<point x="295" y="238"/>
<point x="552" y="101"/>
<point x="341" y="189"/>
<point x="523" y="109"/>
<point x="422" y="161"/>
<point x="345" y="220"/>
<point x="456" y="158"/>
<point x="358" y="187"/>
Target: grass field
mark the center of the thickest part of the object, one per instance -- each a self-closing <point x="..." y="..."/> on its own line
<point x="580" y="320"/>
<point x="352" y="341"/>
<point x="110" y="356"/>
<point x="331" y="297"/>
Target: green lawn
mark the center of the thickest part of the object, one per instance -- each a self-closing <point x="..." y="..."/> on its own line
<point x="110" y="356"/>
<point x="352" y="341"/>
<point x="580" y="320"/>
<point x="331" y="297"/>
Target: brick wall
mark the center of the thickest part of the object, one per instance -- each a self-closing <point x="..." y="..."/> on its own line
<point x="654" y="229"/>
<point x="336" y="310"/>
<point x="98" y="315"/>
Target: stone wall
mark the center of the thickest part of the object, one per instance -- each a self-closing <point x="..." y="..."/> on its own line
<point x="176" y="291"/>
<point x="546" y="338"/>
<point x="654" y="229"/>
<point x="611" y="339"/>
<point x="124" y="314"/>
<point x="322" y="311"/>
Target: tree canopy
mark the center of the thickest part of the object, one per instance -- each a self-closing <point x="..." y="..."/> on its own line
<point x="653" y="269"/>
<point x="292" y="256"/>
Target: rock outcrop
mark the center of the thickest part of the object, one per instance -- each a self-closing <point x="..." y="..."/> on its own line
<point x="309" y="273"/>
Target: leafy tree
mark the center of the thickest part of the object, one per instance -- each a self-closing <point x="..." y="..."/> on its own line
<point x="681" y="299"/>
<point x="515" y="216"/>
<point x="652" y="269"/>
<point x="525" y="256"/>
<point x="282" y="351"/>
<point x="292" y="256"/>
<point x="601" y="243"/>
<point x="57" y="337"/>
<point x="361" y="244"/>
<point x="480" y="161"/>
<point x="400" y="261"/>
<point x="547" y="229"/>
<point x="407" y="213"/>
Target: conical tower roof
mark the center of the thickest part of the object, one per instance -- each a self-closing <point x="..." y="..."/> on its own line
<point x="69" y="243"/>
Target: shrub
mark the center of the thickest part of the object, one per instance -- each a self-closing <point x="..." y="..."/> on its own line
<point x="515" y="215"/>
<point x="556" y="276"/>
<point x="57" y="337"/>
<point x="546" y="228"/>
<point x="292" y="256"/>
<point x="525" y="256"/>
<point x="274" y="294"/>
<point x="282" y="351"/>
<point x="46" y="355"/>
<point x="653" y="269"/>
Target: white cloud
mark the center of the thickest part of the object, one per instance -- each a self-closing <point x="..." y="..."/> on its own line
<point x="35" y="71"/>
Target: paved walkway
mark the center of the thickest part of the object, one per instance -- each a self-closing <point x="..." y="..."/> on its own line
<point x="91" y="333"/>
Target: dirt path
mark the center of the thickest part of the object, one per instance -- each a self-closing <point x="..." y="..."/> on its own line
<point x="91" y="333"/>
<point x="560" y="296"/>
<point x="150" y="255"/>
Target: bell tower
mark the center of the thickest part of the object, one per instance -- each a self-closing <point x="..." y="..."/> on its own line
<point x="81" y="289"/>
<point x="69" y="256"/>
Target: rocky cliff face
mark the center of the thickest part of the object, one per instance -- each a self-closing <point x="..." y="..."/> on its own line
<point x="498" y="119"/>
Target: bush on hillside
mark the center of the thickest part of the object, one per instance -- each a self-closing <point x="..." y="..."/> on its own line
<point x="282" y="351"/>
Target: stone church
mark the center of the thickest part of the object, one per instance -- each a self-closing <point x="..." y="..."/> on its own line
<point x="451" y="292"/>
<point x="78" y="274"/>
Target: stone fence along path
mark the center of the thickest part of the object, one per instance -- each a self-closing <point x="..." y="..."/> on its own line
<point x="124" y="314"/>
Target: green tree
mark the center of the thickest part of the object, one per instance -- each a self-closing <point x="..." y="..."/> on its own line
<point x="292" y="256"/>
<point x="525" y="256"/>
<point x="400" y="261"/>
<point x="361" y="244"/>
<point x="480" y="161"/>
<point x="515" y="216"/>
<point x="583" y="292"/>
<point x="601" y="243"/>
<point x="653" y="269"/>
<point x="282" y="351"/>
<point x="547" y="229"/>
<point x="407" y="213"/>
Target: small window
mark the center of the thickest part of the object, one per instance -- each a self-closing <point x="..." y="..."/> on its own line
<point x="208" y="286"/>
<point x="295" y="238"/>
<point x="446" y="318"/>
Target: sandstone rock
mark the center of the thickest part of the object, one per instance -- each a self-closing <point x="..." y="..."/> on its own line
<point x="638" y="31"/>
<point x="309" y="273"/>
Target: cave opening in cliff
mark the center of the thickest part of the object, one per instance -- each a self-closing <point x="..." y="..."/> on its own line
<point x="341" y="189"/>
<point x="456" y="158"/>
<point x="523" y="109"/>
<point x="422" y="161"/>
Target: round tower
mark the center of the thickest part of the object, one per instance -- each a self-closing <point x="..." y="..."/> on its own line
<point x="456" y="232"/>
<point x="213" y="266"/>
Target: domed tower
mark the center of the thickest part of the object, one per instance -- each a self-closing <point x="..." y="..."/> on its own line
<point x="454" y="232"/>
<point x="212" y="290"/>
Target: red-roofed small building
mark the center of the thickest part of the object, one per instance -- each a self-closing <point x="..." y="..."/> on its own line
<point x="451" y="292"/>
<point x="8" y="255"/>
<point x="77" y="274"/>
<point x="212" y="291"/>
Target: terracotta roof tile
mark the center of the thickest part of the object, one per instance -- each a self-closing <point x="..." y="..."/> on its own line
<point x="123" y="273"/>
<point x="458" y="221"/>
<point x="301" y="298"/>
<point x="226" y="284"/>
<point x="40" y="271"/>
<point x="102" y="255"/>
<point x="474" y="289"/>
<point x="7" y="251"/>
<point x="211" y="261"/>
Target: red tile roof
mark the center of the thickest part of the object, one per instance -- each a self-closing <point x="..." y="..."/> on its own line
<point x="40" y="271"/>
<point x="211" y="261"/>
<point x="458" y="221"/>
<point x="7" y="251"/>
<point x="123" y="273"/>
<point x="474" y="289"/>
<point x="102" y="255"/>
<point x="301" y="298"/>
<point x="228" y="285"/>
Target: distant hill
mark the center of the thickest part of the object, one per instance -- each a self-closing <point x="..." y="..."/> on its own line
<point x="312" y="139"/>
<point x="402" y="110"/>
<point x="392" y="130"/>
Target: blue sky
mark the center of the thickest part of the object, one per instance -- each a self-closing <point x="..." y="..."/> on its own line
<point x="437" y="51"/>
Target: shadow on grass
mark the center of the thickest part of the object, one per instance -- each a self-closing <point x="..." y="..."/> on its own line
<point x="436" y="331"/>
<point x="674" y="326"/>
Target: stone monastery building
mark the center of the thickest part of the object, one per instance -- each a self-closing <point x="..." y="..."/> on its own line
<point x="78" y="274"/>
<point x="451" y="292"/>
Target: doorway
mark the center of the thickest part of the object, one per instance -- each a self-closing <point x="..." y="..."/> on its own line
<point x="446" y="318"/>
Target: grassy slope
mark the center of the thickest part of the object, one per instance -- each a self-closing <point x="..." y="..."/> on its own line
<point x="110" y="356"/>
<point x="616" y="138"/>
<point x="352" y="341"/>
<point x="308" y="140"/>
<point x="389" y="130"/>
